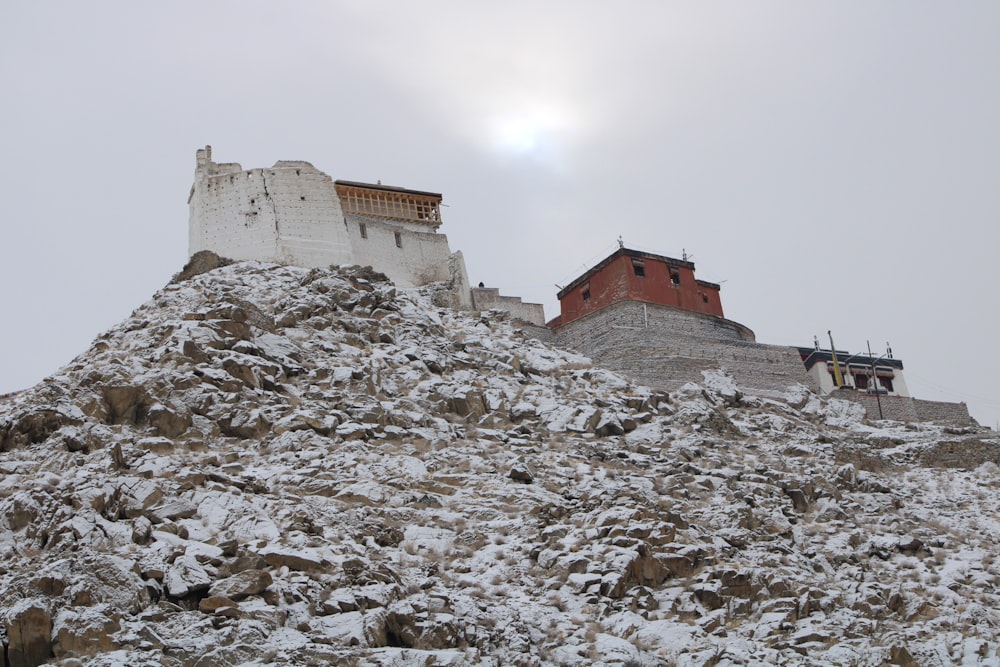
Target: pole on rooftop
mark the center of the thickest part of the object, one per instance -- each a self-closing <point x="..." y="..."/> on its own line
<point x="878" y="398"/>
<point x="837" y="378"/>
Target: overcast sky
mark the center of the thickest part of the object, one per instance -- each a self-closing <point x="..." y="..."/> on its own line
<point x="835" y="165"/>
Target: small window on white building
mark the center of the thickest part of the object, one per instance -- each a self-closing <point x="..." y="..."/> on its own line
<point x="860" y="380"/>
<point x="363" y="229"/>
<point x="399" y="240"/>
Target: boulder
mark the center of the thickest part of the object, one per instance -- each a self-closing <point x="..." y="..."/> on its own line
<point x="21" y="510"/>
<point x="186" y="575"/>
<point x="241" y="585"/>
<point x="35" y="426"/>
<point x="142" y="530"/>
<point x="303" y="560"/>
<point x="519" y="472"/>
<point x="168" y="422"/>
<point x="847" y="475"/>
<point x="898" y="655"/>
<point x="80" y="631"/>
<point x="29" y="631"/>
<point x="798" y="498"/>
<point x="193" y="352"/>
<point x="910" y="544"/>
<point x="607" y="425"/>
<point x="214" y="603"/>
<point x="200" y="262"/>
<point x="245" y="424"/>
<point x="466" y="403"/>
<point x="125" y="403"/>
<point x="708" y="594"/>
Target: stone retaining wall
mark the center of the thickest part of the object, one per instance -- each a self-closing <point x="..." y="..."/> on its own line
<point x="899" y="408"/>
<point x="906" y="408"/>
<point x="489" y="298"/>
<point x="937" y="411"/>
<point x="666" y="347"/>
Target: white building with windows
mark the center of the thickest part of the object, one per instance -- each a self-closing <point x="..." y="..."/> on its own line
<point x="868" y="374"/>
<point x="295" y="214"/>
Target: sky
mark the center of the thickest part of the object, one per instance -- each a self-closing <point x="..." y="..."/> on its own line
<point x="834" y="165"/>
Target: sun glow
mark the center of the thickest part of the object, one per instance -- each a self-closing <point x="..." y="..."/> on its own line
<point x="540" y="133"/>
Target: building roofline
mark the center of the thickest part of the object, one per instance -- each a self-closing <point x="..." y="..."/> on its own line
<point x="812" y="356"/>
<point x="638" y="254"/>
<point x="387" y="188"/>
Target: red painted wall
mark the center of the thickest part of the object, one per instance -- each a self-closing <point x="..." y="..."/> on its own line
<point x="617" y="282"/>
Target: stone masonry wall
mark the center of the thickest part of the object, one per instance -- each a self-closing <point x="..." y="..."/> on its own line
<point x="899" y="408"/>
<point x="307" y="214"/>
<point x="937" y="411"/>
<point x="229" y="216"/>
<point x="289" y="213"/>
<point x="489" y="298"/>
<point x="666" y="347"/>
<point x="905" y="408"/>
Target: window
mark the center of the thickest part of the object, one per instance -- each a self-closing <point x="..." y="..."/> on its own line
<point x="639" y="267"/>
<point x="586" y="294"/>
<point x="675" y="278"/>
<point x="861" y="380"/>
<point x="886" y="383"/>
<point x="399" y="240"/>
<point x="363" y="229"/>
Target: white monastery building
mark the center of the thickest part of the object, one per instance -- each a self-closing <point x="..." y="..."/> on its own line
<point x="872" y="375"/>
<point x="295" y="214"/>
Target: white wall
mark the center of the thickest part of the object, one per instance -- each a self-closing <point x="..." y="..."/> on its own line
<point x="230" y="215"/>
<point x="422" y="259"/>
<point x="291" y="214"/>
<point x="311" y="230"/>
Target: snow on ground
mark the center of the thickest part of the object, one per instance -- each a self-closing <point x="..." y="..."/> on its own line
<point x="268" y="464"/>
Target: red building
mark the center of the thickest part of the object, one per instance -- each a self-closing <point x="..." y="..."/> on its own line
<point x="632" y="275"/>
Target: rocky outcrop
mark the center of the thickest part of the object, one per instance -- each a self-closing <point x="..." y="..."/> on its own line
<point x="271" y="464"/>
<point x="28" y="626"/>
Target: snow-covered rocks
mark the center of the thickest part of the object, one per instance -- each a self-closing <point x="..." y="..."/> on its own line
<point x="267" y="463"/>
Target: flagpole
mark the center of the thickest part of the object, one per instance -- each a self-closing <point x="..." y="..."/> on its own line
<point x="875" y="380"/>
<point x="838" y="379"/>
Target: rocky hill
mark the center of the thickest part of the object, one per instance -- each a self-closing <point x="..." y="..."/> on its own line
<point x="267" y="464"/>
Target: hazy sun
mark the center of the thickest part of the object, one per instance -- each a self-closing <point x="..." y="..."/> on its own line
<point x="538" y="133"/>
